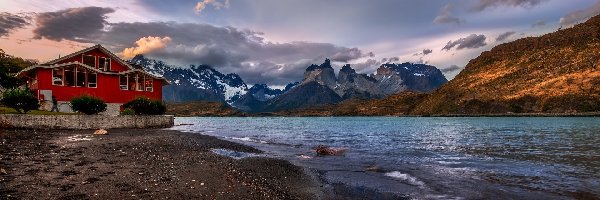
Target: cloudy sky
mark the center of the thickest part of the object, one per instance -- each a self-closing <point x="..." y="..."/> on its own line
<point x="273" y="41"/>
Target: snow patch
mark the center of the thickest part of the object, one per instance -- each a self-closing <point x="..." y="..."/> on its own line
<point x="230" y="92"/>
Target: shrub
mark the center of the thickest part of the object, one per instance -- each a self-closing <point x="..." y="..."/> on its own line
<point x="88" y="105"/>
<point x="20" y="99"/>
<point x="145" y="106"/>
<point x="128" y="111"/>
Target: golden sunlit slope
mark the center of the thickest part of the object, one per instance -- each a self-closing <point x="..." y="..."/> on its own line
<point x="558" y="72"/>
<point x="201" y="108"/>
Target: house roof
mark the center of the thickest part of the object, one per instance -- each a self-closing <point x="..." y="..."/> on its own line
<point x="97" y="46"/>
<point x="23" y="72"/>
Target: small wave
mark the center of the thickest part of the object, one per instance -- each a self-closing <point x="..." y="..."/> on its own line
<point x="248" y="139"/>
<point x="233" y="154"/>
<point x="405" y="177"/>
<point x="449" y="162"/>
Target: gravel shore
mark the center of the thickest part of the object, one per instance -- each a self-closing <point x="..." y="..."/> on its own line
<point x="141" y="164"/>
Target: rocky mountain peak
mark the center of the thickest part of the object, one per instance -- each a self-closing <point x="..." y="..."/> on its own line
<point x="322" y="74"/>
<point x="347" y="69"/>
<point x="324" y="65"/>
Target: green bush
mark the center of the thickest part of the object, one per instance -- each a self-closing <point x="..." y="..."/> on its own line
<point x="88" y="105"/>
<point x="128" y="111"/>
<point x="20" y="99"/>
<point x="145" y="106"/>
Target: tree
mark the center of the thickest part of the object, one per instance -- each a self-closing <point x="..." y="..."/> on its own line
<point x="20" y="99"/>
<point x="10" y="66"/>
<point x="88" y="105"/>
<point x="145" y="106"/>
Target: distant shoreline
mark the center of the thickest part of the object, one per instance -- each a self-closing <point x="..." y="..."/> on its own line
<point x="587" y="114"/>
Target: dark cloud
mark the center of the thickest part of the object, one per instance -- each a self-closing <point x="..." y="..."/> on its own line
<point x="504" y="36"/>
<point x="427" y="51"/>
<point x="450" y="69"/>
<point x="485" y="4"/>
<point x="229" y="49"/>
<point x="10" y="22"/>
<point x="470" y="42"/>
<point x="445" y="16"/>
<point x="76" y="24"/>
<point x="578" y="16"/>
<point x="538" y="23"/>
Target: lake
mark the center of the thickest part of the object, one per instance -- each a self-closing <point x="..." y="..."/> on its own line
<point x="432" y="158"/>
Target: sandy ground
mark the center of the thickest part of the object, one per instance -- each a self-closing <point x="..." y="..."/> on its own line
<point x="141" y="164"/>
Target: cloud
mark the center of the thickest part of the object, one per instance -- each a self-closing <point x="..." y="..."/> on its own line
<point x="200" y="6"/>
<point x="445" y="16"/>
<point x="580" y="15"/>
<point x="423" y="53"/>
<point x="485" y="4"/>
<point x="350" y="54"/>
<point x="504" y="36"/>
<point x="538" y="23"/>
<point x="76" y="24"/>
<point x="368" y="66"/>
<point x="10" y="22"/>
<point x="427" y="51"/>
<point x="470" y="42"/>
<point x="450" y="69"/>
<point x="146" y="45"/>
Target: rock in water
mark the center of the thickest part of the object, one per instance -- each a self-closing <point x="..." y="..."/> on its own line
<point x="323" y="150"/>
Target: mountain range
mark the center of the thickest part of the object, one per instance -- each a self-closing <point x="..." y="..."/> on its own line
<point x="555" y="74"/>
<point x="320" y="85"/>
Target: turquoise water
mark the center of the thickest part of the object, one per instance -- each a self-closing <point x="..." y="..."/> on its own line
<point x="433" y="158"/>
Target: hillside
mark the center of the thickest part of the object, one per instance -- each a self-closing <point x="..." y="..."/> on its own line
<point x="394" y="105"/>
<point x="201" y="109"/>
<point x="555" y="73"/>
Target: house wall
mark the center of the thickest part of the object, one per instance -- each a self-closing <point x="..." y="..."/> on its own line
<point x="107" y="89"/>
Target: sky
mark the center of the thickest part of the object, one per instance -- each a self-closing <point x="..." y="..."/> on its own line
<point x="274" y="41"/>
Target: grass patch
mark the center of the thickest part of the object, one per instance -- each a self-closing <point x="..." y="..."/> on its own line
<point x="7" y="110"/>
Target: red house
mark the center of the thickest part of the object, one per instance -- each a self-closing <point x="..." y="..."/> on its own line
<point x="93" y="71"/>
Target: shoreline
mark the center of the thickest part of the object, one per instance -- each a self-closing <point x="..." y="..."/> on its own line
<point x="153" y="164"/>
<point x="141" y="163"/>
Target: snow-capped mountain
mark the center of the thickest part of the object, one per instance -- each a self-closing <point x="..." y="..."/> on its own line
<point x="393" y="78"/>
<point x="319" y="86"/>
<point x="194" y="83"/>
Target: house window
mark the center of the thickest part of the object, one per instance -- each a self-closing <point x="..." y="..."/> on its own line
<point x="80" y="76"/>
<point x="89" y="60"/>
<point x="148" y="84"/>
<point x="139" y="82"/>
<point x="104" y="64"/>
<point x="69" y="76"/>
<point x="123" y="82"/>
<point x="131" y="80"/>
<point x="57" y="76"/>
<point x="92" y="79"/>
